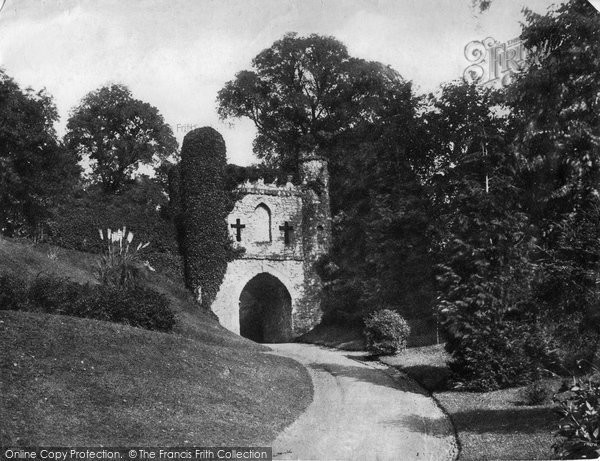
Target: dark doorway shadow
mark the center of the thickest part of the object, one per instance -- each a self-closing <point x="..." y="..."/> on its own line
<point x="266" y="310"/>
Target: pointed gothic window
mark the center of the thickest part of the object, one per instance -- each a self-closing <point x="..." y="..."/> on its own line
<point x="262" y="223"/>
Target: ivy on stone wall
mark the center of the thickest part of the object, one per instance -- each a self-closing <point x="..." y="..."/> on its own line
<point x="204" y="207"/>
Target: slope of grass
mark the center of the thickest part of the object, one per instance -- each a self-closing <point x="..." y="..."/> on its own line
<point x="490" y="425"/>
<point x="70" y="381"/>
<point x="28" y="260"/>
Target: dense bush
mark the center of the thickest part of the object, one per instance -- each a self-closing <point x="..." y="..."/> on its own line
<point x="537" y="393"/>
<point x="484" y="303"/>
<point x="386" y="332"/>
<point x="579" y="428"/>
<point x="143" y="208"/>
<point x="136" y="306"/>
<point x="204" y="206"/>
<point x="13" y="293"/>
<point x="133" y="305"/>
<point x="55" y="295"/>
<point x="493" y="358"/>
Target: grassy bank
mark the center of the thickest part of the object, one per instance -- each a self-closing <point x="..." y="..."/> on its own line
<point x="71" y="381"/>
<point x="490" y="425"/>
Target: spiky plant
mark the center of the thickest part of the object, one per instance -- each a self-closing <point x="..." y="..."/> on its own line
<point x="120" y="265"/>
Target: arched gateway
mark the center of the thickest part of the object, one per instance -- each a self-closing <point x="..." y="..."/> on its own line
<point x="266" y="310"/>
<point x="271" y="293"/>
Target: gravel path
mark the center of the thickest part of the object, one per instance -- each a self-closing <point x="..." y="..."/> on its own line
<point x="359" y="412"/>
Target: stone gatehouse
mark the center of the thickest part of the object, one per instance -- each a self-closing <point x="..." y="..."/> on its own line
<point x="272" y="292"/>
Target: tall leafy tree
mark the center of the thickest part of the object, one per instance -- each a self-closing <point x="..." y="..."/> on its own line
<point x="556" y="109"/>
<point x="520" y="254"/>
<point x="482" y="239"/>
<point x="303" y="93"/>
<point x="118" y="134"/>
<point x="381" y="225"/>
<point x="35" y="169"/>
<point x="556" y="106"/>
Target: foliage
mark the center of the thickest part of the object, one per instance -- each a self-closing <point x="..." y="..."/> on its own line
<point x="555" y="112"/>
<point x="136" y="306"/>
<point x="204" y="210"/>
<point x="120" y="265"/>
<point x="579" y="406"/>
<point x="143" y="207"/>
<point x="118" y="133"/>
<point x="464" y="125"/>
<point x="484" y="288"/>
<point x="519" y="237"/>
<point x="555" y="109"/>
<point x="13" y="295"/>
<point x="235" y="175"/>
<point x="386" y="332"/>
<point x="537" y="393"/>
<point x="54" y="295"/>
<point x="35" y="170"/>
<point x="132" y="305"/>
<point x="381" y="225"/>
<point x="484" y="241"/>
<point x="302" y="94"/>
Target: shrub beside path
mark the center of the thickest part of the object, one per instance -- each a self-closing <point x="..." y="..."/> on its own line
<point x="359" y="412"/>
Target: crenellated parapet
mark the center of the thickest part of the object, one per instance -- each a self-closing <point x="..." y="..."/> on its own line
<point x="261" y="188"/>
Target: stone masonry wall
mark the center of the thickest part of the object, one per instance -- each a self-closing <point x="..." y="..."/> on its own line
<point x="241" y="271"/>
<point x="257" y="224"/>
<point x="316" y="235"/>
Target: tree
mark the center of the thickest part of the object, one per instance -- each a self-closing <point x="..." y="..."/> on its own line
<point x="381" y="224"/>
<point x="118" y="133"/>
<point x="556" y="112"/>
<point x="142" y="207"/>
<point x="35" y="169"/>
<point x="556" y="107"/>
<point x="521" y="257"/>
<point x="482" y="241"/>
<point x="204" y="211"/>
<point x="303" y="93"/>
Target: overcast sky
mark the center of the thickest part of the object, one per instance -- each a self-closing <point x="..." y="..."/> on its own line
<point x="177" y="54"/>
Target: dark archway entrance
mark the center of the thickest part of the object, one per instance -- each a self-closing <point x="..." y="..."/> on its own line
<point x="266" y="310"/>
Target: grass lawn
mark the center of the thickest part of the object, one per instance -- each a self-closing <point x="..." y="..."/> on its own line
<point x="70" y="381"/>
<point x="490" y="425"/>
